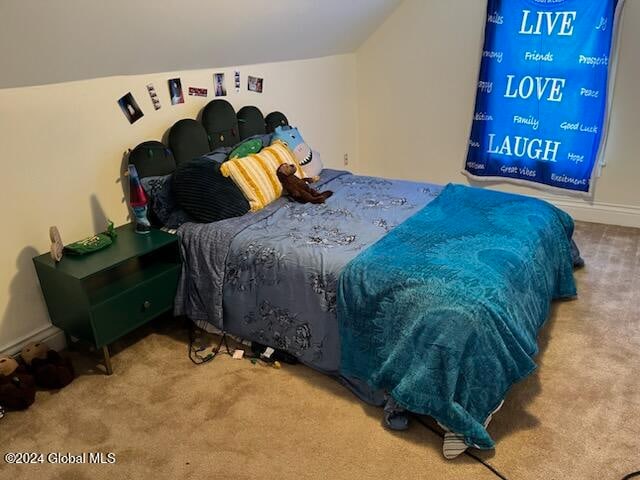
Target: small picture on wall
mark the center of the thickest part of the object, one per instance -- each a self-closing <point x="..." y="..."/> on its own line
<point x="175" y="90"/>
<point x="218" y="82"/>
<point x="154" y="96"/>
<point x="255" y="84"/>
<point x="237" y="81"/>
<point x="130" y="108"/>
<point x="198" y="92"/>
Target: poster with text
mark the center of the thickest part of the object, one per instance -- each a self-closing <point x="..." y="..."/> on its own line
<point x="542" y="99"/>
<point x="198" y="92"/>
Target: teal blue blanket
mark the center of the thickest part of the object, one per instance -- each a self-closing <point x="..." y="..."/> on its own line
<point x="443" y="311"/>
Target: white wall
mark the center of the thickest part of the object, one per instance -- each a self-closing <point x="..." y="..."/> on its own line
<point x="417" y="79"/>
<point x="44" y="41"/>
<point x="62" y="147"/>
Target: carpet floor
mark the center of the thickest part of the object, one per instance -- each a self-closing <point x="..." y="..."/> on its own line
<point x="576" y="417"/>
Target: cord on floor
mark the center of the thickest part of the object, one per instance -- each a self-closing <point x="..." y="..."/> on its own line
<point x="194" y="354"/>
<point x="632" y="475"/>
<point x="197" y="359"/>
<point x="487" y="465"/>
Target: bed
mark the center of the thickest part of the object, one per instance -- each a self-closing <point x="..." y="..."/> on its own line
<point x="271" y="276"/>
<point x="360" y="287"/>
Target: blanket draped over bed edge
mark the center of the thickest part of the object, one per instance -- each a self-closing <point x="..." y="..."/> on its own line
<point x="444" y="310"/>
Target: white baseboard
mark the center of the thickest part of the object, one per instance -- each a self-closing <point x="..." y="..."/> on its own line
<point x="598" y="212"/>
<point x="52" y="336"/>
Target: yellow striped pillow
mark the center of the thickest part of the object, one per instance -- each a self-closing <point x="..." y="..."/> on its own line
<point x="256" y="176"/>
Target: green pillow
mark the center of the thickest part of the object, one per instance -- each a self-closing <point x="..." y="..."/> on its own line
<point x="246" y="148"/>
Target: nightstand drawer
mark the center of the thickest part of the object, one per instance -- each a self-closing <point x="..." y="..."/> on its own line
<point x="122" y="313"/>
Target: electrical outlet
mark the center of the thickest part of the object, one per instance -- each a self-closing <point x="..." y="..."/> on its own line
<point x="346" y="159"/>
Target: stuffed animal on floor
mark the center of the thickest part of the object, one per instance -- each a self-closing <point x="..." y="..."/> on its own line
<point x="17" y="386"/>
<point x="50" y="370"/>
<point x="297" y="188"/>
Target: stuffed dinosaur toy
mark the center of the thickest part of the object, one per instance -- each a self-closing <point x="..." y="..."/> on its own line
<point x="309" y="160"/>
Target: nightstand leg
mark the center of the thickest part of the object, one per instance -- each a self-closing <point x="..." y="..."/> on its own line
<point x="107" y="359"/>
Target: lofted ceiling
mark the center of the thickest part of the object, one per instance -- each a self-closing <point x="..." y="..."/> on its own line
<point x="50" y="41"/>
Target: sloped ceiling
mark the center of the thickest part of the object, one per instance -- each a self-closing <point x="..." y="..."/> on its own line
<point x="49" y="41"/>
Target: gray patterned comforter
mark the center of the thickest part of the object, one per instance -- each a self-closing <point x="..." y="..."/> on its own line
<point x="271" y="276"/>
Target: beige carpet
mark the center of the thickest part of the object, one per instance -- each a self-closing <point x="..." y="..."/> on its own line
<point x="576" y="418"/>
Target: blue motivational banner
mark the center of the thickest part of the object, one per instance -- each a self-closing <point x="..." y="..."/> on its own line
<point x="542" y="100"/>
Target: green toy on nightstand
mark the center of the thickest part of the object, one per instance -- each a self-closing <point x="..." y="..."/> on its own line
<point x="93" y="243"/>
<point x="102" y="296"/>
<point x="81" y="247"/>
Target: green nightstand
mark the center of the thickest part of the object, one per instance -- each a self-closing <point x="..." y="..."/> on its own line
<point x="104" y="295"/>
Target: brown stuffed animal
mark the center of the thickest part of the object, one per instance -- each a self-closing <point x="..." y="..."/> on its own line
<point x="49" y="368"/>
<point x="297" y="188"/>
<point x="17" y="387"/>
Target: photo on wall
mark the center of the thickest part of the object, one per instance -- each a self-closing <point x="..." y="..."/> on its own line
<point x="218" y="82"/>
<point x="237" y="81"/>
<point x="154" y="96"/>
<point x="175" y="90"/>
<point x="130" y="108"/>
<point x="254" y="84"/>
<point x="198" y="92"/>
